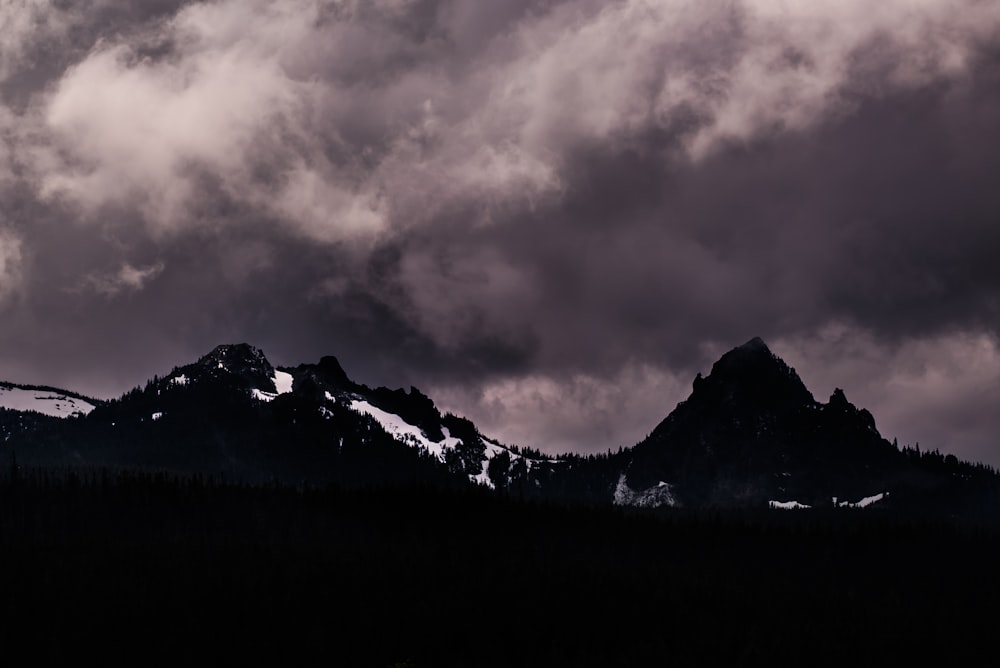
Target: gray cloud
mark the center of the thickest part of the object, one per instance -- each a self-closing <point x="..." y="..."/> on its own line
<point x="549" y="214"/>
<point x="126" y="279"/>
<point x="11" y="262"/>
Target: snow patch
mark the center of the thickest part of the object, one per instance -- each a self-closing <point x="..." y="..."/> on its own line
<point x="43" y="401"/>
<point x="157" y="416"/>
<point x="282" y="382"/>
<point x="492" y="450"/>
<point x="261" y="395"/>
<point x="179" y="380"/>
<point x="660" y="494"/>
<point x="403" y="431"/>
<point x="787" y="505"/>
<point x="869" y="500"/>
<point x="863" y="503"/>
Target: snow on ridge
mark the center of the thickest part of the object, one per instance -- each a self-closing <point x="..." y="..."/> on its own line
<point x="46" y="402"/>
<point x="403" y="431"/>
<point x="863" y="503"/>
<point x="261" y="395"/>
<point x="282" y="383"/>
<point x="492" y="450"/>
<point x="869" y="500"/>
<point x="787" y="505"/>
<point x="179" y="380"/>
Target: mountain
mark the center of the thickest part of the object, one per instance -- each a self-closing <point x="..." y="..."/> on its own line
<point x="27" y="409"/>
<point x="750" y="435"/>
<point x="46" y="400"/>
<point x="233" y="414"/>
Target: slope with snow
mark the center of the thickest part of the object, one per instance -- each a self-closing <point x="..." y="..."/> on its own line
<point x="282" y="383"/>
<point x="403" y="431"/>
<point x="863" y="503"/>
<point x="787" y="505"/>
<point x="42" y="400"/>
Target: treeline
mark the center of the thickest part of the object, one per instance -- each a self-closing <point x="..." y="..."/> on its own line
<point x="937" y="462"/>
<point x="158" y="568"/>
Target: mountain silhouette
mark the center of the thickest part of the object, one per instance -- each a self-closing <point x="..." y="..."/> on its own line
<point x="751" y="432"/>
<point x="750" y="435"/>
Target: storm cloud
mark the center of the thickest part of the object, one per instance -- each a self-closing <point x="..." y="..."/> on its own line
<point x="549" y="215"/>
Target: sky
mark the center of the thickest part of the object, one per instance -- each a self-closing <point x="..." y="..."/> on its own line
<point x="548" y="215"/>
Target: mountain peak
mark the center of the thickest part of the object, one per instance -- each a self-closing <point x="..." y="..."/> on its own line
<point x="755" y="344"/>
<point x="238" y="360"/>
<point x="751" y="429"/>
<point x="334" y="372"/>
<point x="236" y="355"/>
<point x="755" y="348"/>
<point x="754" y="370"/>
<point x="838" y="398"/>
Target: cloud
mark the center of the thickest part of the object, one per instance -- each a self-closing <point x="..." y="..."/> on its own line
<point x="936" y="391"/>
<point x="557" y="414"/>
<point x="139" y="130"/>
<point x="127" y="279"/>
<point x="576" y="201"/>
<point x="339" y="124"/>
<point x="11" y="265"/>
<point x="22" y="23"/>
<point x="267" y="100"/>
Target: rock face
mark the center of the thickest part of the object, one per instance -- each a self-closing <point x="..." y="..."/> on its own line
<point x="751" y="432"/>
<point x="241" y="364"/>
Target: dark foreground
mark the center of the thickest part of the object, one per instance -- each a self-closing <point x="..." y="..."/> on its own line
<point x="147" y="569"/>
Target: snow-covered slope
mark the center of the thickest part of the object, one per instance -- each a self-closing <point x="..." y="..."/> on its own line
<point x="787" y="505"/>
<point x="282" y="383"/>
<point x="405" y="432"/>
<point x="863" y="503"/>
<point x="47" y="401"/>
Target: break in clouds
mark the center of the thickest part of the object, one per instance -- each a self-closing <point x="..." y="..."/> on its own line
<point x="549" y="215"/>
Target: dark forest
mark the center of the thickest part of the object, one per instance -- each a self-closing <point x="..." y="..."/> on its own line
<point x="119" y="566"/>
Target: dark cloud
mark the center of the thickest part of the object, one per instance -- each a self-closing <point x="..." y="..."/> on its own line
<point x="548" y="214"/>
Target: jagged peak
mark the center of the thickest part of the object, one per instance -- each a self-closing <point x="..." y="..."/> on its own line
<point x="232" y="360"/>
<point x="753" y="353"/>
<point x="235" y="352"/>
<point x="755" y="344"/>
<point x="332" y="370"/>
<point x="759" y="371"/>
<point x="838" y="398"/>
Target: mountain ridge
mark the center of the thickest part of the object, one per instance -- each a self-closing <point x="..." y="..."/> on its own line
<point x="749" y="435"/>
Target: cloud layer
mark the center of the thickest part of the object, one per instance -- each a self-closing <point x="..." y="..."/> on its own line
<point x="550" y="213"/>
